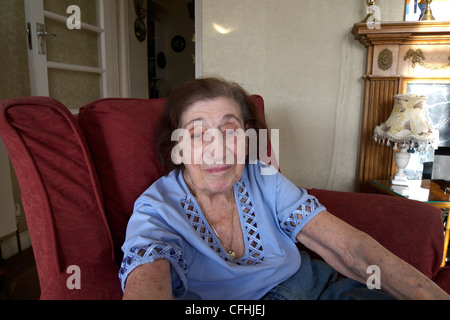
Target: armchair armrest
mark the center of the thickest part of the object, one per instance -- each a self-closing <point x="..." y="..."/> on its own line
<point x="410" y="229"/>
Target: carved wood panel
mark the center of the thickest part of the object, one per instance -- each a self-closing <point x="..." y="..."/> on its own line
<point x="376" y="162"/>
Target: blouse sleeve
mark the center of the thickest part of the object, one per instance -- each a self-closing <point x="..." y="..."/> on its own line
<point x="295" y="207"/>
<point x="150" y="238"/>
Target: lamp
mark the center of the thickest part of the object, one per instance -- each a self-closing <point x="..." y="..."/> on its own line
<point x="407" y="129"/>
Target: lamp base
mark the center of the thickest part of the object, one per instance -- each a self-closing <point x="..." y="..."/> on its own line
<point x="401" y="160"/>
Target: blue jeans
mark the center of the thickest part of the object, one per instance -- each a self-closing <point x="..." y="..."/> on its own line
<point x="316" y="280"/>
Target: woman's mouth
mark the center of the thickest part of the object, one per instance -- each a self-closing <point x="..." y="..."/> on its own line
<point x="217" y="169"/>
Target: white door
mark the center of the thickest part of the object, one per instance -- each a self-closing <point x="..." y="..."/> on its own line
<point x="72" y="49"/>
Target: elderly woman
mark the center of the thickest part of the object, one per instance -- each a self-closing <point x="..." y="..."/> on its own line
<point x="216" y="229"/>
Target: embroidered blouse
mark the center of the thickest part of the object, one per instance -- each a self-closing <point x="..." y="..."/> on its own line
<point x="168" y="223"/>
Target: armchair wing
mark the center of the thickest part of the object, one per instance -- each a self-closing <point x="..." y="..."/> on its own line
<point x="61" y="198"/>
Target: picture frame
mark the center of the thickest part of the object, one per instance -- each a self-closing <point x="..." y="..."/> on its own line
<point x="440" y="9"/>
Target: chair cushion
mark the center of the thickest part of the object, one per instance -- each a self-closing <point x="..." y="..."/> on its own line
<point x="121" y="136"/>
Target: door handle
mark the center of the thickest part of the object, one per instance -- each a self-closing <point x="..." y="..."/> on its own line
<point x="42" y="34"/>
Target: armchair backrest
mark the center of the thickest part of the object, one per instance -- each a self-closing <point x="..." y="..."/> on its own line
<point x="121" y="136"/>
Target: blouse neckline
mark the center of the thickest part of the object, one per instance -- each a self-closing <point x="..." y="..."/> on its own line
<point x="254" y="253"/>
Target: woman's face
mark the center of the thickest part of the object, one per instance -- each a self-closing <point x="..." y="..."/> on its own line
<point x="214" y="166"/>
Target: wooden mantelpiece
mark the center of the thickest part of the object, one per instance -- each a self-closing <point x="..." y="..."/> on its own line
<point x="387" y="68"/>
<point x="403" y="32"/>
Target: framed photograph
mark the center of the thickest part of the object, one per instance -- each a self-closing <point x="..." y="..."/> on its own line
<point x="414" y="9"/>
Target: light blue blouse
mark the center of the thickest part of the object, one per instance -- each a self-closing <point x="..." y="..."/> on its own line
<point x="168" y="223"/>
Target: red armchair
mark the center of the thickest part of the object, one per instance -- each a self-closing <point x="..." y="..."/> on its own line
<point x="80" y="175"/>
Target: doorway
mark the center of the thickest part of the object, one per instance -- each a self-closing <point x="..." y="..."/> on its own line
<point x="171" y="44"/>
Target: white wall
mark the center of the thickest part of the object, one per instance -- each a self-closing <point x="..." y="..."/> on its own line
<point x="301" y="57"/>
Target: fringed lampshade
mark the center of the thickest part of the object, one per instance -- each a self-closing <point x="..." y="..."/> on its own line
<point x="407" y="129"/>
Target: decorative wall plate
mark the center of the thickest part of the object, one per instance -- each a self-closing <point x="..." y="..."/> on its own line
<point x="178" y="43"/>
<point x="140" y="30"/>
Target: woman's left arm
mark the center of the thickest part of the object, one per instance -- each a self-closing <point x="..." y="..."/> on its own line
<point x="351" y="252"/>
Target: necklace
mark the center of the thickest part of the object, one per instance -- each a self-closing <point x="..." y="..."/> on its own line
<point x="231" y="253"/>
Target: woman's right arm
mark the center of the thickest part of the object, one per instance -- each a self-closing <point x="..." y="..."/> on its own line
<point x="150" y="281"/>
